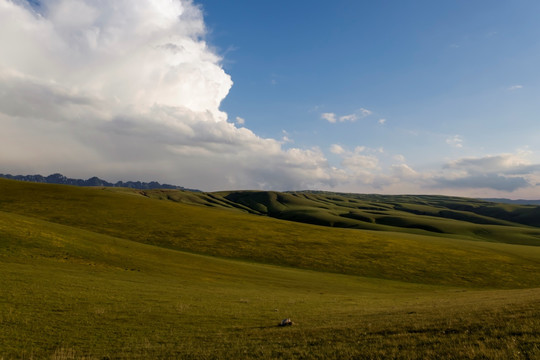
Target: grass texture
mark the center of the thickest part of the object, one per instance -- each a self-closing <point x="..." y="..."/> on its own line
<point x="102" y="274"/>
<point x="417" y="214"/>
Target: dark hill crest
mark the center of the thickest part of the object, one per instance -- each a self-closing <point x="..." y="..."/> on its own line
<point x="58" y="178"/>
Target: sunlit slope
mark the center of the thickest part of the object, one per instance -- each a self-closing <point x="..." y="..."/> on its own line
<point x="29" y="241"/>
<point x="69" y="293"/>
<point x="423" y="214"/>
<point x="232" y="234"/>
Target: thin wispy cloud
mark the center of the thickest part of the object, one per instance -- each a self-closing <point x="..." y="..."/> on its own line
<point x="455" y="141"/>
<point x="351" y="117"/>
<point x="330" y="117"/>
<point x="403" y="171"/>
<point x="399" y="158"/>
<point x="334" y="118"/>
<point x="365" y="112"/>
<point x="337" y="149"/>
<point x="286" y="138"/>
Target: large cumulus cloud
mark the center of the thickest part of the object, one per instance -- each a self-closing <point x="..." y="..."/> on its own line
<point x="126" y="89"/>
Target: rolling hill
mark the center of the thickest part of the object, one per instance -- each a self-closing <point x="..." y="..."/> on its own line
<point x="113" y="273"/>
<point x="417" y="214"/>
<point x="412" y="256"/>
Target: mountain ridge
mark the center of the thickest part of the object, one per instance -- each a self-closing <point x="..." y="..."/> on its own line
<point x="511" y="201"/>
<point x="60" y="179"/>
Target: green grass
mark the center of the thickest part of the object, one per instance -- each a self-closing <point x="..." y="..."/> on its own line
<point x="96" y="274"/>
<point x="428" y="215"/>
<point x="237" y="235"/>
<point x="76" y="294"/>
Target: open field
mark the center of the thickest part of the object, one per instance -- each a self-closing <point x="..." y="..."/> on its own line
<point x="96" y="274"/>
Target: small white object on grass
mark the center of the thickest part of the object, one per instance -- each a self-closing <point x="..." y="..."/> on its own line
<point x="285" y="322"/>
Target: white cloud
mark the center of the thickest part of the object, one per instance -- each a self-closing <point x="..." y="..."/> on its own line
<point x="487" y="181"/>
<point x="357" y="166"/>
<point x="330" y="117"/>
<point x="399" y="158"/>
<point x="403" y="171"/>
<point x="351" y="118"/>
<point x="488" y="176"/>
<point x="365" y="112"/>
<point x="333" y="118"/>
<point x="490" y="163"/>
<point x="130" y="92"/>
<point x="337" y="149"/>
<point x="240" y="121"/>
<point x="132" y="56"/>
<point x="515" y="87"/>
<point x="286" y="137"/>
<point x="360" y="163"/>
<point x="503" y="172"/>
<point x="359" y="149"/>
<point x="382" y="121"/>
<point x="455" y="141"/>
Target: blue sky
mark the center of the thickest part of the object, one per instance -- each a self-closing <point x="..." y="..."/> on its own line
<point x="361" y="96"/>
<point x="451" y="79"/>
<point x="433" y="70"/>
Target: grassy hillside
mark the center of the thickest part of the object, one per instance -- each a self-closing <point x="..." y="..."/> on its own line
<point x="99" y="273"/>
<point x="237" y="235"/>
<point x="428" y="215"/>
<point x="69" y="293"/>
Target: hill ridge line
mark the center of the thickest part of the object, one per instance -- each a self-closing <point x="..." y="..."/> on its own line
<point x="60" y="179"/>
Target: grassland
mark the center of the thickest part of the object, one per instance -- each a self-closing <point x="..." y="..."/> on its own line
<point x="417" y="214"/>
<point x="97" y="273"/>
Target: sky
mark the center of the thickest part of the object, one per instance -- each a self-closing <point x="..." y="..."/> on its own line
<point x="391" y="97"/>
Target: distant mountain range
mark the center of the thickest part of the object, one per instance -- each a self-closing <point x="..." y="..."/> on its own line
<point x="93" y="181"/>
<point x="509" y="201"/>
